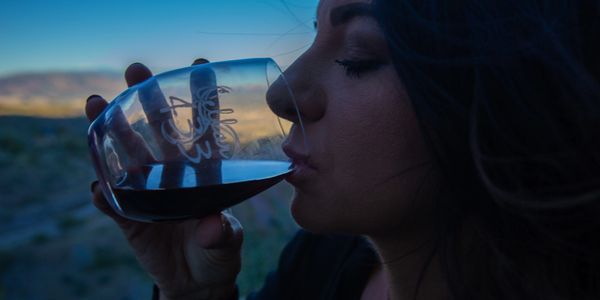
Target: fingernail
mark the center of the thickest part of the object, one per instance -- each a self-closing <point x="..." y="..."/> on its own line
<point x="136" y="65"/>
<point x="92" y="96"/>
<point x="226" y="228"/>
<point x="93" y="185"/>
<point x="200" y="61"/>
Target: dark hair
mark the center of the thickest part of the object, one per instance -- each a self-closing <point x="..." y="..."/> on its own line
<point x="508" y="96"/>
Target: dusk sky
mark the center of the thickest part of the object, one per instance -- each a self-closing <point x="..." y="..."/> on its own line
<point x="37" y="35"/>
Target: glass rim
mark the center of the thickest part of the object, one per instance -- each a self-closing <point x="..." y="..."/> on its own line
<point x="265" y="60"/>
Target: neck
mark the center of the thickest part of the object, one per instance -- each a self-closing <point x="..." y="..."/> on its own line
<point x="411" y="269"/>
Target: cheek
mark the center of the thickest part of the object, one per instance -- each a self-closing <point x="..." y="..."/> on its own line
<point x="370" y="138"/>
<point x="373" y="137"/>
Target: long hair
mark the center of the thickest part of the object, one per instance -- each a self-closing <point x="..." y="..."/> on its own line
<point x="507" y="94"/>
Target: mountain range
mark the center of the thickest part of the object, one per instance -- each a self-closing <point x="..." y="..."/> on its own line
<point x="55" y="94"/>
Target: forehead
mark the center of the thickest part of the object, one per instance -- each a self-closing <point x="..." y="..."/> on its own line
<point x="325" y="6"/>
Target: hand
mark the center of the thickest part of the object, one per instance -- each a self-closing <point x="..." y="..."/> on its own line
<point x="193" y="259"/>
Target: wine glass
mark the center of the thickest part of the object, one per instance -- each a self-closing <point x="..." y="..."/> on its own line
<point x="191" y="142"/>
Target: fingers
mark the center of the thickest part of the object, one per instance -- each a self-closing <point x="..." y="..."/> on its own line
<point x="133" y="142"/>
<point x="160" y="113"/>
<point x="136" y="73"/>
<point x="94" y="106"/>
<point x="205" y="101"/>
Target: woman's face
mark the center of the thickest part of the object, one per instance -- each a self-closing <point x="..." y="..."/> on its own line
<point x="367" y="167"/>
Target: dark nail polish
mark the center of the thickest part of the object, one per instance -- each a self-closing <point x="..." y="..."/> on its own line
<point x="93" y="185"/>
<point x="92" y="96"/>
<point x="200" y="61"/>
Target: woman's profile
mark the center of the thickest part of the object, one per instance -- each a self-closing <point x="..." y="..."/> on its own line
<point x="455" y="155"/>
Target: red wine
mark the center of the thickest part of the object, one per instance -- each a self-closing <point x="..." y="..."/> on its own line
<point x="166" y="192"/>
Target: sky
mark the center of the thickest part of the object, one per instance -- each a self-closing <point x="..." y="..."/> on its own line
<point x="108" y="35"/>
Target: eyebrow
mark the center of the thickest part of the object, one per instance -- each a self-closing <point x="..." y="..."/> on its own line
<point x="344" y="13"/>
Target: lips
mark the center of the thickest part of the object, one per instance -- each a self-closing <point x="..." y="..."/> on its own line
<point x="303" y="170"/>
<point x="296" y="156"/>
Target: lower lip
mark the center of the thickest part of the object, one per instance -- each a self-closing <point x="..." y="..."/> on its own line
<point x="300" y="174"/>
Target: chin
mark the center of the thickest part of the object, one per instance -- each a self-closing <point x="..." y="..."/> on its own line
<point x="310" y="214"/>
<point x="305" y="211"/>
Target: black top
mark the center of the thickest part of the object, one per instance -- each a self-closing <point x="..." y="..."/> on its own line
<point x="320" y="267"/>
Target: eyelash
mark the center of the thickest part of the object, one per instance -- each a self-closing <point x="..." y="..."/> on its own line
<point x="356" y="68"/>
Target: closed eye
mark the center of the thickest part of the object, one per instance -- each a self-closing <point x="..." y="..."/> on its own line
<point x="356" y="68"/>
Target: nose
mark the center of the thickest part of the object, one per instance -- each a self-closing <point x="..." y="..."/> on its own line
<point x="281" y="101"/>
<point x="295" y="95"/>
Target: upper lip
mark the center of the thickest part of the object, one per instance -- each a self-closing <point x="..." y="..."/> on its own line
<point x="296" y="156"/>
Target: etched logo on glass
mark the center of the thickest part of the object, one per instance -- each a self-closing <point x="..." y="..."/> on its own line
<point x="209" y="133"/>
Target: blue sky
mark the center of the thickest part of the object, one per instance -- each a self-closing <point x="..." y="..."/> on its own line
<point x="44" y="35"/>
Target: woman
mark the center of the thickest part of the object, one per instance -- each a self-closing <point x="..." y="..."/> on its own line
<point x="454" y="156"/>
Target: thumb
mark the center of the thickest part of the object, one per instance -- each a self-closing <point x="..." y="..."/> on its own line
<point x="221" y="237"/>
<point x="220" y="231"/>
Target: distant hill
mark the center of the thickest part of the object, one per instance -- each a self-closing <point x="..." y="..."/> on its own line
<point x="55" y="94"/>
